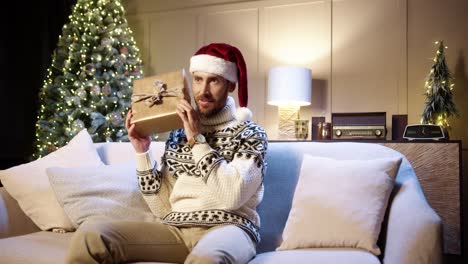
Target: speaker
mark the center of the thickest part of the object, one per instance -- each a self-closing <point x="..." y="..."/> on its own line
<point x="315" y="121"/>
<point x="399" y="123"/>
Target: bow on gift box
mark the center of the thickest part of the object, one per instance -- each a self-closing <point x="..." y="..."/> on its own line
<point x="160" y="91"/>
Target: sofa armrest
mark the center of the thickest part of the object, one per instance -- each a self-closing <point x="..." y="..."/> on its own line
<point x="414" y="230"/>
<point x="13" y="221"/>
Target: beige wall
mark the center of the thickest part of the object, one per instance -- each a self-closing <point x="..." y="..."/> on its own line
<point x="365" y="55"/>
<point x="429" y="21"/>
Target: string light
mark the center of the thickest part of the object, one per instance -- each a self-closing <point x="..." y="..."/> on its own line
<point x="68" y="73"/>
<point x="439" y="104"/>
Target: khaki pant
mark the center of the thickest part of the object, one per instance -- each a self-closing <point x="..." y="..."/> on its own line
<point x="104" y="241"/>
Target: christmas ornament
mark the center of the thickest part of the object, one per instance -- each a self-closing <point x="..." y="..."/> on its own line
<point x="92" y="28"/>
<point x="97" y="120"/>
<point x="120" y="133"/>
<point x="115" y="118"/>
<point x="51" y="148"/>
<point x="95" y="90"/>
<point x="77" y="100"/>
<point x="77" y="126"/>
<point x="90" y="69"/>
<point x="82" y="75"/>
<point x="88" y="84"/>
<point x="110" y="63"/>
<point x="106" y="89"/>
<point x="69" y="100"/>
<point x="81" y="93"/>
<point x="108" y="135"/>
<point x="59" y="80"/>
<point x="96" y="57"/>
<point x="106" y="41"/>
<point x="124" y="50"/>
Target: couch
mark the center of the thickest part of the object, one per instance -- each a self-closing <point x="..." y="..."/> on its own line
<point x="410" y="232"/>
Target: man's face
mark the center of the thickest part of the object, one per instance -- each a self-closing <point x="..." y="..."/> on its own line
<point x="210" y="92"/>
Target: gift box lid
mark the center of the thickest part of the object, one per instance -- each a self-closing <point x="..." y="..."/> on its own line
<point x="155" y="99"/>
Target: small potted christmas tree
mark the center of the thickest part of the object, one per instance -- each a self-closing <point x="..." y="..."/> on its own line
<point x="439" y="105"/>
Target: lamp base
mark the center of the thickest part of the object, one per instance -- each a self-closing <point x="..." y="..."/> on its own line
<point x="286" y="125"/>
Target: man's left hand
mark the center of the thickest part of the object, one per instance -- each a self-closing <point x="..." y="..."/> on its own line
<point x="190" y="117"/>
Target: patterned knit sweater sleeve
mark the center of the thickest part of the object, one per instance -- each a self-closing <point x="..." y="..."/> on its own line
<point x="154" y="187"/>
<point x="234" y="181"/>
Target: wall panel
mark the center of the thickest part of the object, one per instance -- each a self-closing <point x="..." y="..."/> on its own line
<point x="298" y="34"/>
<point x="172" y="40"/>
<point x="366" y="56"/>
<point x="238" y="27"/>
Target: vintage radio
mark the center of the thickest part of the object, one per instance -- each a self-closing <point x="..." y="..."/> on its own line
<point x="371" y="125"/>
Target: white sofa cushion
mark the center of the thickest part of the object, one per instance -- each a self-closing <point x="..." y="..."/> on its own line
<point x="339" y="203"/>
<point x="109" y="191"/>
<point x="29" y="185"/>
<point x="317" y="255"/>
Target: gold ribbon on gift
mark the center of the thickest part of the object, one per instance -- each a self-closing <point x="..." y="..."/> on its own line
<point x="160" y="90"/>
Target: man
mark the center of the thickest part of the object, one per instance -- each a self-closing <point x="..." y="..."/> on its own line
<point x="209" y="183"/>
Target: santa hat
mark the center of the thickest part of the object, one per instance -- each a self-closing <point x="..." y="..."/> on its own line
<point x="227" y="61"/>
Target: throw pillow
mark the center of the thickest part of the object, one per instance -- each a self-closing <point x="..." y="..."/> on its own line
<point x="339" y="203"/>
<point x="29" y="186"/>
<point x="107" y="191"/>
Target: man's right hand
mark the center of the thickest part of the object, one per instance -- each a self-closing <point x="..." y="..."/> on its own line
<point x="139" y="143"/>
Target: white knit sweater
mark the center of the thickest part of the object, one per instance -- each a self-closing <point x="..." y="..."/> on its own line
<point x="216" y="183"/>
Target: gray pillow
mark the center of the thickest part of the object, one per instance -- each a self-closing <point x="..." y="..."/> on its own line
<point x="105" y="191"/>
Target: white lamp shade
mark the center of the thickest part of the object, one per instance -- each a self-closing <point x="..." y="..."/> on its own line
<point x="289" y="85"/>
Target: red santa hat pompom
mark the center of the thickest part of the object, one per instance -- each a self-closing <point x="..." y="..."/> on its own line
<point x="227" y="61"/>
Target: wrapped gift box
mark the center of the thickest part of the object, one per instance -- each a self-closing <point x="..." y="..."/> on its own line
<point x="155" y="100"/>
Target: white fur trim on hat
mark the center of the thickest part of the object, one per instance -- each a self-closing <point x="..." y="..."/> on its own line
<point x="243" y="114"/>
<point x="215" y="65"/>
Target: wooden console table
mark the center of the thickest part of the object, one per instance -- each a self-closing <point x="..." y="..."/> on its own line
<point x="438" y="167"/>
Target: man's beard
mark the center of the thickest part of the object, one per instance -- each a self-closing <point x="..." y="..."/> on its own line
<point x="211" y="112"/>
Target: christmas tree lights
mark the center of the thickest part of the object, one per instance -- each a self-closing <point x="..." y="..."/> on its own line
<point x="439" y="105"/>
<point x="89" y="82"/>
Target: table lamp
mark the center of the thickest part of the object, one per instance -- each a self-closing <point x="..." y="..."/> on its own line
<point x="289" y="88"/>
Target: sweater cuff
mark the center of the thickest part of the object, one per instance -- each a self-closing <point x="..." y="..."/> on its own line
<point x="200" y="150"/>
<point x="145" y="161"/>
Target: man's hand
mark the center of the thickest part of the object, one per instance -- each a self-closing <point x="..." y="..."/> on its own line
<point x="140" y="144"/>
<point x="190" y="117"/>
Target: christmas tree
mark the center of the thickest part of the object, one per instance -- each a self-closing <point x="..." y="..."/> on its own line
<point x="439" y="104"/>
<point x="89" y="81"/>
